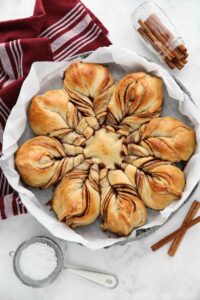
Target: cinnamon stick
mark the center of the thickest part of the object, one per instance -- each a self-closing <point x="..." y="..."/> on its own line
<point x="170" y="63"/>
<point x="176" y="53"/>
<point x="174" y="234"/>
<point x="161" y="47"/>
<point x="182" y="48"/>
<point x="159" y="37"/>
<point x="179" y="64"/>
<point x="191" y="213"/>
<point x="166" y="33"/>
<point x="165" y="36"/>
<point x="146" y="37"/>
<point x="184" y="60"/>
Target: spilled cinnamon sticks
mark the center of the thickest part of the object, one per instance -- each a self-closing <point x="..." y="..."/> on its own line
<point x="163" y="41"/>
<point x="178" y="235"/>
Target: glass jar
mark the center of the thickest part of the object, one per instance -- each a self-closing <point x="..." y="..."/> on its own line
<point x="159" y="34"/>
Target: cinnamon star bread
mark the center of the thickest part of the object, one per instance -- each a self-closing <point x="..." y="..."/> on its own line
<point x="42" y="161"/>
<point x="76" y="198"/>
<point x="106" y="148"/>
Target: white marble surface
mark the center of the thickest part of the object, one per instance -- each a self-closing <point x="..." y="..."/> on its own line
<point x="143" y="275"/>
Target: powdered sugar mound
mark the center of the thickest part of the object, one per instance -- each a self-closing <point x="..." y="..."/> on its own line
<point x="38" y="261"/>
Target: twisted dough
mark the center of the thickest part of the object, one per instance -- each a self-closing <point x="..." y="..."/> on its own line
<point x="90" y="87"/>
<point x="165" y="138"/>
<point x="52" y="111"/>
<point x="121" y="208"/>
<point x="157" y="182"/>
<point x="93" y="125"/>
<point x="136" y="99"/>
<point x="55" y="115"/>
<point x="76" y="198"/>
<point x="42" y="161"/>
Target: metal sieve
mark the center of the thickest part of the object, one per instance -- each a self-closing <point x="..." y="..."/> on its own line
<point x="107" y="280"/>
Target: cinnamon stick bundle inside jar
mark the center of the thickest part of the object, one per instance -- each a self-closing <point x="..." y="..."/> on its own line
<point x="160" y="35"/>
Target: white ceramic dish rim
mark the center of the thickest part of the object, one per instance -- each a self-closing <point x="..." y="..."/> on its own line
<point x="140" y="232"/>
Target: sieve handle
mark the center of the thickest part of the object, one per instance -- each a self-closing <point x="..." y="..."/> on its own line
<point x="107" y="280"/>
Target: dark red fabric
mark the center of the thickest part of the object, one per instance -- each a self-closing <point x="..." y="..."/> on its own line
<point x="8" y="94"/>
<point x="37" y="49"/>
<point x="56" y="30"/>
<point x="24" y="28"/>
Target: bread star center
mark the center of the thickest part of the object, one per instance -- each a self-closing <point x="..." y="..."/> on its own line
<point x="104" y="147"/>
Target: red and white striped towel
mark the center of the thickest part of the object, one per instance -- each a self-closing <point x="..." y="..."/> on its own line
<point x="57" y="29"/>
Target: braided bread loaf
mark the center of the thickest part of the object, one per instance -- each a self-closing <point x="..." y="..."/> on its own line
<point x="42" y="161"/>
<point x="76" y="198"/>
<point x="107" y="147"/>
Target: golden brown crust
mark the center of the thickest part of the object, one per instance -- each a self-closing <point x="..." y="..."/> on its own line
<point x="121" y="208"/>
<point x="157" y="182"/>
<point x="111" y="151"/>
<point x="90" y="87"/>
<point x="51" y="111"/>
<point x="165" y="138"/>
<point x="137" y="98"/>
<point x="76" y="199"/>
<point x="42" y="161"/>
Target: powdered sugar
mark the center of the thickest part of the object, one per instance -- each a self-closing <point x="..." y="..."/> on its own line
<point x="38" y="261"/>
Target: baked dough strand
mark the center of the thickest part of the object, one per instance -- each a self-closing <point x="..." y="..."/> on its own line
<point x="166" y="138"/>
<point x="42" y="161"/>
<point x="106" y="147"/>
<point x="157" y="182"/>
<point x="76" y="198"/>
<point x="121" y="208"/>
<point x="137" y="98"/>
<point x="90" y="87"/>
